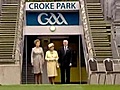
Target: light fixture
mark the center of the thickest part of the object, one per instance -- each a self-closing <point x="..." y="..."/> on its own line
<point x="52" y="28"/>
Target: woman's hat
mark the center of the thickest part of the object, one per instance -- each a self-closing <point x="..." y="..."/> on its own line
<point x="50" y="45"/>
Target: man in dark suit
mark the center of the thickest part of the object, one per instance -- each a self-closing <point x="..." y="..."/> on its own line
<point x="65" y="62"/>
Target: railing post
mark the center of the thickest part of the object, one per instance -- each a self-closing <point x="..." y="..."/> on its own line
<point x="86" y="29"/>
<point x="18" y="55"/>
<point x="89" y="47"/>
<point x="1" y="2"/>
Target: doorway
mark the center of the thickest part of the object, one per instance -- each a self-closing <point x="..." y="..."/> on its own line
<point x="74" y="43"/>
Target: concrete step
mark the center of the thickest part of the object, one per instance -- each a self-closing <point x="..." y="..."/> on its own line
<point x="101" y="44"/>
<point x="9" y="9"/>
<point x="100" y="40"/>
<point x="15" y="13"/>
<point x="7" y="25"/>
<point x="94" y="8"/>
<point x="6" y="41"/>
<point x="10" y="36"/>
<point x="104" y="54"/>
<point x="7" y="29"/>
<point x="93" y="4"/>
<point x="12" y="1"/>
<point x="7" y="34"/>
<point x="14" y="17"/>
<point x="103" y="51"/>
<point x="95" y="12"/>
<point x="7" y="53"/>
<point x="100" y="34"/>
<point x="96" y="19"/>
<point x="104" y="57"/>
<point x="97" y="22"/>
<point x="10" y="4"/>
<point x="8" y="21"/>
<point x="102" y="48"/>
<point x="5" y="57"/>
<point x="95" y="15"/>
<point x="99" y="31"/>
<point x="9" y="14"/>
<point x="4" y="20"/>
<point x="104" y="36"/>
<point x="101" y="16"/>
<point x="9" y="60"/>
<point x="98" y="27"/>
<point x="7" y="38"/>
<point x="8" y="17"/>
<point x="6" y="50"/>
<point x="7" y="45"/>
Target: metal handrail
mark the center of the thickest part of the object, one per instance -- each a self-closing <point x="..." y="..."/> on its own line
<point x="18" y="33"/>
<point x="15" y="39"/>
<point x="20" y="24"/>
<point x="87" y="30"/>
<point x="114" y="40"/>
<point x="82" y="11"/>
<point x="90" y="34"/>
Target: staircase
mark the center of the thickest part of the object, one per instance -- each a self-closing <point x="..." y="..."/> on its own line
<point x="100" y="31"/>
<point x="27" y="73"/>
<point x="8" y="29"/>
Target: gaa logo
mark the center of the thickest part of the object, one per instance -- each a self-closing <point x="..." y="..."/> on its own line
<point x="52" y="19"/>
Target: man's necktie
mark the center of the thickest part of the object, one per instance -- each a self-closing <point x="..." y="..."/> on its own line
<point x="65" y="49"/>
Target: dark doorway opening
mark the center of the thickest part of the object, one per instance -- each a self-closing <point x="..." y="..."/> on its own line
<point x="75" y="42"/>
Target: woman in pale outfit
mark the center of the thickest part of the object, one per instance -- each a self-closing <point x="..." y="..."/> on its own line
<point x="52" y="59"/>
<point x="37" y="60"/>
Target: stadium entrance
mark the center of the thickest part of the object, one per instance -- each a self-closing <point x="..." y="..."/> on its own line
<point x="54" y="24"/>
<point x="75" y="42"/>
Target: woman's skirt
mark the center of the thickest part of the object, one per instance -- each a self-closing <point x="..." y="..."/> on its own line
<point x="51" y="68"/>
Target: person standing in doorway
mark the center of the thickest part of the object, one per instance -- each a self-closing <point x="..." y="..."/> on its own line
<point x="52" y="61"/>
<point x="65" y="62"/>
<point x="37" y="60"/>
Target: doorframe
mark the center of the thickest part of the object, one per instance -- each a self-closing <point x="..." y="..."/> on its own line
<point x="80" y="73"/>
<point x="79" y="54"/>
<point x="26" y="59"/>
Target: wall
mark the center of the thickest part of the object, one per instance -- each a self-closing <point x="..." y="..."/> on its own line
<point x="10" y="74"/>
<point x="93" y="1"/>
<point x="45" y="30"/>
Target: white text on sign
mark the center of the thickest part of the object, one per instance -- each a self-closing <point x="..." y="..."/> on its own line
<point x="51" y="5"/>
